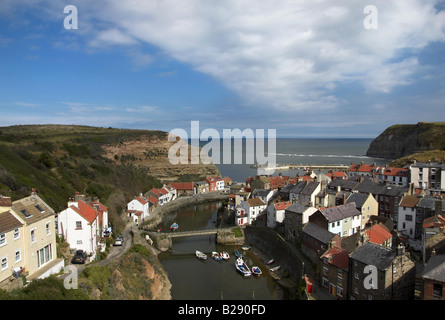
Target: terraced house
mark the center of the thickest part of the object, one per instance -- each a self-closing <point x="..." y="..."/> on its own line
<point x="27" y="239"/>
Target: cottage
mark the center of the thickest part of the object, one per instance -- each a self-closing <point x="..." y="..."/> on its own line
<point x="380" y="273"/>
<point x="379" y="234"/>
<point x="215" y="183"/>
<point x="202" y="187"/>
<point x="39" y="236"/>
<point x="82" y="225"/>
<point x="183" y="188"/>
<point x="138" y="209"/>
<point x="295" y="217"/>
<point x="395" y="176"/>
<point x="366" y="204"/>
<point x="263" y="194"/>
<point x="275" y="213"/>
<point x="316" y="240"/>
<point x="433" y="277"/>
<point x="407" y="223"/>
<point x="428" y="175"/>
<point x="343" y="220"/>
<point x="334" y="266"/>
<point x="249" y="210"/>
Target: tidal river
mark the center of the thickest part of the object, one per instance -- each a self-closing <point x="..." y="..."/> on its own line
<point x="193" y="279"/>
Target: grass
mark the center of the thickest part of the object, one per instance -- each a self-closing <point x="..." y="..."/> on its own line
<point x="238" y="232"/>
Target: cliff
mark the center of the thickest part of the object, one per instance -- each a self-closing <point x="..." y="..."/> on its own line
<point x="405" y="139"/>
<point x="111" y="164"/>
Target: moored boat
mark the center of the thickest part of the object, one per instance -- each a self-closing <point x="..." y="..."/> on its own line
<point x="200" y="255"/>
<point x="242" y="267"/>
<point x="256" y="271"/>
<point x="224" y="255"/>
<point x="216" y="256"/>
<point x="174" y="227"/>
<point x="239" y="254"/>
<point x="271" y="261"/>
<point x="245" y="247"/>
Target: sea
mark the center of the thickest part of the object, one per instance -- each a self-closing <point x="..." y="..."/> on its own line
<point x="307" y="151"/>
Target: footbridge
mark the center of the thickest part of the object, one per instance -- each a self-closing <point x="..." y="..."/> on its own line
<point x="203" y="232"/>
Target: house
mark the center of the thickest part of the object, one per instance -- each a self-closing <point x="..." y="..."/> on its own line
<point x="275" y="213"/>
<point x="380" y="273"/>
<point x="395" y="176"/>
<point x="138" y="209"/>
<point x="202" y="187"/>
<point x="82" y="225"/>
<point x="433" y="277"/>
<point x="183" y="188"/>
<point x="334" y="267"/>
<point x="263" y="194"/>
<point x="295" y="217"/>
<point x="428" y="175"/>
<point x="12" y="243"/>
<point x="407" y="222"/>
<point x="379" y="234"/>
<point x="277" y="182"/>
<point x="433" y="236"/>
<point x="389" y="198"/>
<point x="39" y="236"/>
<point x="315" y="240"/>
<point x="259" y="182"/>
<point x="249" y="210"/>
<point x="343" y="220"/>
<point x="338" y="191"/>
<point x="241" y="196"/>
<point x="215" y="183"/>
<point x="355" y="171"/>
<point x="337" y="175"/>
<point x="366" y="204"/>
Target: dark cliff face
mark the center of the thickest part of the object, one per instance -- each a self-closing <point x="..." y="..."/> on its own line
<point x="401" y="140"/>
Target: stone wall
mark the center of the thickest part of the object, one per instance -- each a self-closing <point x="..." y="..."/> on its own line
<point x="272" y="244"/>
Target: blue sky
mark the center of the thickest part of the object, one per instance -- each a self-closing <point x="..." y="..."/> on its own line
<point x="304" y="68"/>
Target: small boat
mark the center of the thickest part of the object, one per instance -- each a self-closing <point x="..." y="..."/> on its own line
<point x="245" y="247"/>
<point x="239" y="254"/>
<point x="271" y="261"/>
<point x="216" y="256"/>
<point x="256" y="271"/>
<point x="242" y="267"/>
<point x="174" y="227"/>
<point x="200" y="255"/>
<point x="275" y="269"/>
<point x="224" y="255"/>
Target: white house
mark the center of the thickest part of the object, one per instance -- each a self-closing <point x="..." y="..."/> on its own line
<point x="275" y="213"/>
<point x="406" y="216"/>
<point x="428" y="175"/>
<point x="138" y="209"/>
<point x="263" y="194"/>
<point x="344" y="220"/>
<point x="249" y="210"/>
<point x="82" y="223"/>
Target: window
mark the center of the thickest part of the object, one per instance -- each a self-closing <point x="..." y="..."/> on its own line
<point x="16" y="233"/>
<point x="4" y="263"/>
<point x="2" y="239"/>
<point x="44" y="256"/>
<point x="437" y="290"/>
<point x="33" y="235"/>
<point x="40" y="208"/>
<point x="18" y="256"/>
<point x="26" y="213"/>
<point x="339" y="291"/>
<point x="408" y="217"/>
<point x="78" y="224"/>
<point x="48" y="229"/>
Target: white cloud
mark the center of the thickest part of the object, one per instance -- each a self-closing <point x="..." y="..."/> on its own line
<point x="284" y="54"/>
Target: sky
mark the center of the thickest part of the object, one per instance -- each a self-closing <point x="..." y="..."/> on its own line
<point x="319" y="68"/>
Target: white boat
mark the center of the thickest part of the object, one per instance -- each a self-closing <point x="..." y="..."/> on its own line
<point x="256" y="271"/>
<point x="275" y="269"/>
<point x="200" y="255"/>
<point x="224" y="255"/>
<point x="216" y="256"/>
<point x="242" y="267"/>
<point x="271" y="261"/>
<point x="245" y="247"/>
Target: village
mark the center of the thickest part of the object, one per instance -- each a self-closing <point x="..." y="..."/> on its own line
<point x="368" y="217"/>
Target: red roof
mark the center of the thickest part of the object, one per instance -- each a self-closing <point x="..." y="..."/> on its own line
<point x="282" y="205"/>
<point x="337" y="257"/>
<point x="183" y="185"/>
<point x="142" y="200"/>
<point x="85" y="211"/>
<point x="153" y="200"/>
<point x="378" y="234"/>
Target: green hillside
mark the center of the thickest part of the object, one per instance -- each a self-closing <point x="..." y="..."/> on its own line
<point x="60" y="160"/>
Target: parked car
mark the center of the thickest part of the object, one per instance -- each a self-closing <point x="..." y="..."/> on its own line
<point x="79" y="257"/>
<point x="118" y="241"/>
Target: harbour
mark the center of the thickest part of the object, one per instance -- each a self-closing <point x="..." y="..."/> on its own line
<point x="209" y="279"/>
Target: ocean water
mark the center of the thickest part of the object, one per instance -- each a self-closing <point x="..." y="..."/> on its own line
<point x="294" y="151"/>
